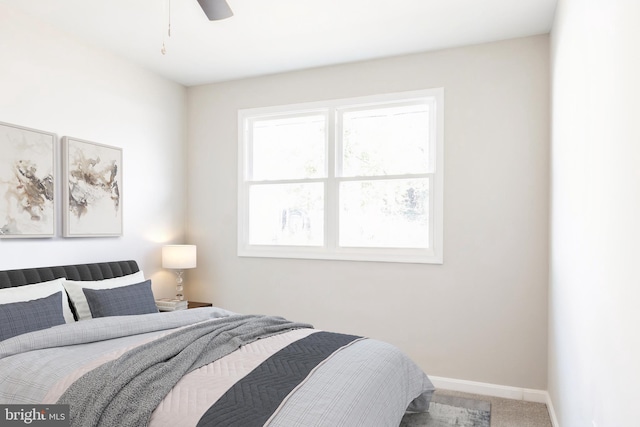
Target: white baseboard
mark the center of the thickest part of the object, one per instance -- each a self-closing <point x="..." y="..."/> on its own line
<point x="552" y="412"/>
<point x="505" y="392"/>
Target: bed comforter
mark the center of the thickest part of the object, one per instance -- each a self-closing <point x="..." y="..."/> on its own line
<point x="227" y="370"/>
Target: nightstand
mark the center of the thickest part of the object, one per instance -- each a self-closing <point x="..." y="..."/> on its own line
<point x="195" y="304"/>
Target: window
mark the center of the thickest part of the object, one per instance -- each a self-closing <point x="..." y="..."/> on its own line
<point x="352" y="179"/>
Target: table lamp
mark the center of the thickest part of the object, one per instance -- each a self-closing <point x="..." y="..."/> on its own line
<point x="179" y="258"/>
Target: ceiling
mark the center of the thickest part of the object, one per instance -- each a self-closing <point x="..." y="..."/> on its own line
<point x="271" y="36"/>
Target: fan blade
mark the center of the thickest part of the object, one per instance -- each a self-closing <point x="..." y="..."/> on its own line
<point x="216" y="9"/>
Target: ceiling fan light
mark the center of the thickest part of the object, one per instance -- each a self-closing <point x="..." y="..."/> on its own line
<point x="216" y="9"/>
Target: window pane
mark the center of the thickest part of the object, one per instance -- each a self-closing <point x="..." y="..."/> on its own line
<point x="385" y="213"/>
<point x="287" y="214"/>
<point x="386" y="141"/>
<point x="289" y="148"/>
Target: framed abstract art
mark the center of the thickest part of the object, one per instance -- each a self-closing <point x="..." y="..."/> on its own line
<point x="92" y="175"/>
<point x="27" y="182"/>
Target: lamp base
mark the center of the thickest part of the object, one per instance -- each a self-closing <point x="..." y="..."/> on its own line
<point x="179" y="287"/>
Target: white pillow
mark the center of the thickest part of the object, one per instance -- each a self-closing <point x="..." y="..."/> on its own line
<point x="37" y="291"/>
<point x="74" y="289"/>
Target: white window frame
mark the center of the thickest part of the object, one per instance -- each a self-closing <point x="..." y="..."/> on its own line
<point x="331" y="250"/>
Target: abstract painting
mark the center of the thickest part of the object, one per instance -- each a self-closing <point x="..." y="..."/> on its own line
<point x="92" y="190"/>
<point x="27" y="182"/>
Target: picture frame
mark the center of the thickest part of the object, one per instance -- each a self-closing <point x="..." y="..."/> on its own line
<point x="92" y="189"/>
<point x="28" y="182"/>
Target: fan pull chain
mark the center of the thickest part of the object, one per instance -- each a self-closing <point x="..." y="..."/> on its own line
<point x="164" y="49"/>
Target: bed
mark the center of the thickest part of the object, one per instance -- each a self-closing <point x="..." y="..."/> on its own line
<point x="90" y="336"/>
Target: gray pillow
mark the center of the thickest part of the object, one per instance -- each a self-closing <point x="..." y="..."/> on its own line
<point x="28" y="316"/>
<point x="122" y="301"/>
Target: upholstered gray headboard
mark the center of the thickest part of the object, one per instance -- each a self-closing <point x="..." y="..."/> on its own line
<point x="96" y="271"/>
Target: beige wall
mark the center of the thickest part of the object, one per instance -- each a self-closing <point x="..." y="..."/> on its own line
<point x="55" y="83"/>
<point x="594" y="344"/>
<point x="482" y="315"/>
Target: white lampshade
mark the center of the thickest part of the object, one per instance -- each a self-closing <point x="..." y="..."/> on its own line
<point x="179" y="257"/>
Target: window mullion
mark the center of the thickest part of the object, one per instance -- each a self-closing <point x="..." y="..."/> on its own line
<point x="331" y="190"/>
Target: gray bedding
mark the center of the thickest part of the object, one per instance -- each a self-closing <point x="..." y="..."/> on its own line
<point x="367" y="383"/>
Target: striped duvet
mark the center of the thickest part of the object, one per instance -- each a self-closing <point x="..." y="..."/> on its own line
<point x="361" y="383"/>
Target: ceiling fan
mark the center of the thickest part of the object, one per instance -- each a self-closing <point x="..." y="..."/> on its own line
<point x="216" y="9"/>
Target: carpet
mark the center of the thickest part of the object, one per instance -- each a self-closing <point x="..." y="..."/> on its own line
<point x="446" y="411"/>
